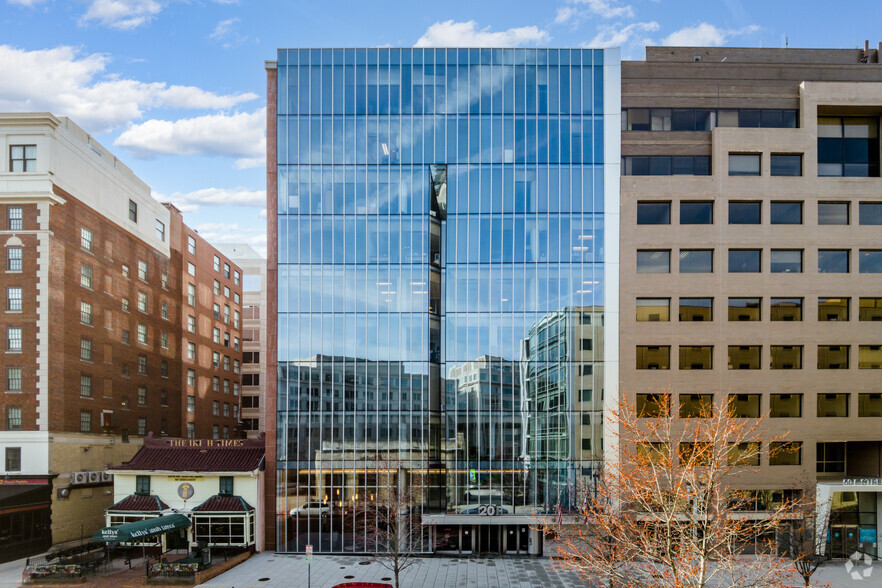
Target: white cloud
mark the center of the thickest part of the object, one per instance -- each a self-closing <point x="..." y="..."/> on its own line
<point x="25" y="2"/>
<point x="80" y="87"/>
<point x="225" y="32"/>
<point x="237" y="135"/>
<point x="611" y="36"/>
<point x="192" y="201"/>
<point x="250" y="162"/>
<point x="262" y="213"/>
<point x="705" y="35"/>
<point x="466" y="34"/>
<point x="121" y="14"/>
<point x="607" y="9"/>
<point x="565" y="14"/>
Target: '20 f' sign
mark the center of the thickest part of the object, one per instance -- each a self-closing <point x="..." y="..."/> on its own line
<point x="490" y="510"/>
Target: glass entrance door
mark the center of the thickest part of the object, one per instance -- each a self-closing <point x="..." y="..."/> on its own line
<point x="844" y="540"/>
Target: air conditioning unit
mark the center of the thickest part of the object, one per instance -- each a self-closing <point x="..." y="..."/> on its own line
<point x="95" y="477"/>
<point x="77" y="478"/>
<point x="106" y="477"/>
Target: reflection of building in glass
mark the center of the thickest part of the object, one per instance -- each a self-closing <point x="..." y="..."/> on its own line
<point x="562" y="402"/>
<point x="427" y="208"/>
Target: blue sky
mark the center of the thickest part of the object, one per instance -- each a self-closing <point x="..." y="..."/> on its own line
<point x="176" y="88"/>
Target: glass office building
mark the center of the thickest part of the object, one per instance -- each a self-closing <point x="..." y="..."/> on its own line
<point x="447" y="262"/>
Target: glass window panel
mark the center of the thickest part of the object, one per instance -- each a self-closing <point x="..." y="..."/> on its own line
<point x="744" y="164"/>
<point x="745" y="406"/>
<point x="654" y="262"/>
<point x="786" y="357"/>
<point x="785" y="309"/>
<point x="744" y="260"/>
<point x="696" y="261"/>
<point x="782" y="406"/>
<point x="653" y="213"/>
<point x="696" y="357"/>
<point x="745" y="309"/>
<point x="786" y="261"/>
<point x="833" y="309"/>
<point x="833" y="261"/>
<point x="833" y="213"/>
<point x="696" y="309"/>
<point x="870" y="261"/>
<point x="745" y="213"/>
<point x="785" y="213"/>
<point x="870" y="357"/>
<point x="870" y="213"/>
<point x="653" y="357"/>
<point x="744" y="357"/>
<point x="786" y="165"/>
<point x="654" y="309"/>
<point x="870" y="309"/>
<point x="833" y="405"/>
<point x="696" y="213"/>
<point x="833" y="357"/>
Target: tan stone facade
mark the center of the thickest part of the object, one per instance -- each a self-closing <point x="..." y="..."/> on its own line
<point x="659" y="332"/>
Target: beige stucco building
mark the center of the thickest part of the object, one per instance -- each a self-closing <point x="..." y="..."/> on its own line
<point x="751" y="258"/>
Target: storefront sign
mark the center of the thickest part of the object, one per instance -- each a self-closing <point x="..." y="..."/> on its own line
<point x="206" y="442"/>
<point x="185" y="478"/>
<point x="862" y="482"/>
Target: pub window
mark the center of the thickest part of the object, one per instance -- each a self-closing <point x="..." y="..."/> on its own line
<point x="142" y="485"/>
<point x="225" y="486"/>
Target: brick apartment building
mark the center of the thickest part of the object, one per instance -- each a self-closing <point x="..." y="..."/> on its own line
<point x="118" y="320"/>
<point x="254" y="328"/>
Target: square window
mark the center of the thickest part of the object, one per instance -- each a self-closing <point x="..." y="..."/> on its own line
<point x="744" y="357"/>
<point x="14" y="218"/>
<point x="832" y="405"/>
<point x="744" y="164"/>
<point x="784" y="453"/>
<point x="745" y="213"/>
<point x="191" y="377"/>
<point x="786" y="164"/>
<point x="22" y="158"/>
<point x="696" y="213"/>
<point x="744" y="260"/>
<point x="142" y="334"/>
<point x="694" y="261"/>
<point x="653" y="262"/>
<point x="744" y="406"/>
<point x="142" y="365"/>
<point x="653" y="213"/>
<point x="786" y="357"/>
<point x="191" y="269"/>
<point x="142" y="301"/>
<point x="133" y="211"/>
<point x="870" y="357"/>
<point x="142" y="395"/>
<point x="191" y="244"/>
<point x="785" y="309"/>
<point x="160" y="230"/>
<point x="216" y="263"/>
<point x="191" y="351"/>
<point x="653" y="309"/>
<point x="236" y="277"/>
<point x="744" y="309"/>
<point x="785" y="213"/>
<point x="13" y="299"/>
<point x="786" y="261"/>
<point x="13" y="259"/>
<point x="191" y="324"/>
<point x="870" y="213"/>
<point x="833" y="213"/>
<point x="833" y="309"/>
<point x="833" y="261"/>
<point x="783" y="406"/>
<point x="142" y="270"/>
<point x="696" y="357"/>
<point x="217" y="288"/>
<point x="870" y="262"/>
<point x="833" y="357"/>
<point x="696" y="309"/>
<point x="871" y="309"/>
<point x="870" y="405"/>
<point x="653" y="357"/>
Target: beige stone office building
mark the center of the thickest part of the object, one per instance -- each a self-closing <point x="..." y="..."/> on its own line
<point x="751" y="257"/>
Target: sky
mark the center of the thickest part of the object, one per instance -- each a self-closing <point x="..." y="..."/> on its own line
<point x="177" y="89"/>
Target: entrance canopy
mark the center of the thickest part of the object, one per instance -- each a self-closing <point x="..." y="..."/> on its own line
<point x="141" y="529"/>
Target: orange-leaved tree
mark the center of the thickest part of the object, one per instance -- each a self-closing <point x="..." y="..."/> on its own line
<point x="667" y="511"/>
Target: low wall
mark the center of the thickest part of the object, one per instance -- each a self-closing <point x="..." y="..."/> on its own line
<point x="220" y="568"/>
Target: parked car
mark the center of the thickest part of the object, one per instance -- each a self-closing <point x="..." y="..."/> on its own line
<point x="313" y="509"/>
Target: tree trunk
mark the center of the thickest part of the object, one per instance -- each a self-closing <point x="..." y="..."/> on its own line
<point x="396" y="578"/>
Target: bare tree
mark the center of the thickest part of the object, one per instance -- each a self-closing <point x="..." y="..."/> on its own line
<point x="804" y="539"/>
<point x="392" y="525"/>
<point x="667" y="512"/>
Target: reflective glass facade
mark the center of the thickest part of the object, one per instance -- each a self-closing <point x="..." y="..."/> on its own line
<point x="441" y="283"/>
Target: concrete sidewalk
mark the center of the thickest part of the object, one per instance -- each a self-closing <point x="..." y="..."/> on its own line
<point x="276" y="570"/>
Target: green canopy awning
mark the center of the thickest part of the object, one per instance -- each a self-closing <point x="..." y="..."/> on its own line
<point x="141" y="529"/>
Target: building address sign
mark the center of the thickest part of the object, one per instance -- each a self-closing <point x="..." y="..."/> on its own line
<point x="862" y="482"/>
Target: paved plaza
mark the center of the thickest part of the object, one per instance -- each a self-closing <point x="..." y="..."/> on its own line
<point x="276" y="570"/>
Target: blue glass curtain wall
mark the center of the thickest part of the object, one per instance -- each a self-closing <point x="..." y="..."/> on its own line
<point x="455" y="354"/>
